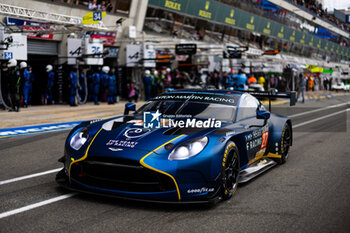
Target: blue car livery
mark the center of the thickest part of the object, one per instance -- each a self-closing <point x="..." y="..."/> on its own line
<point x="201" y="145"/>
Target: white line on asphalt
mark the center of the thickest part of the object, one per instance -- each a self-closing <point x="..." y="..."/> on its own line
<point x="29" y="176"/>
<point x="318" y="110"/>
<point x="36" y="205"/>
<point x="320" y="118"/>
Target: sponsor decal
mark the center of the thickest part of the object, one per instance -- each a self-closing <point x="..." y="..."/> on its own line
<point x="115" y="149"/>
<point x="172" y="5"/>
<point x="121" y="143"/>
<point x="135" y="132"/>
<point x="257" y="138"/>
<point x="203" y="98"/>
<point x="205" y="13"/>
<point x="96" y="120"/>
<point x="153" y="120"/>
<point x="136" y="122"/>
<point x="200" y="190"/>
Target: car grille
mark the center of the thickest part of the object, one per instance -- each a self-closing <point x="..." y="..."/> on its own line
<point x="120" y="174"/>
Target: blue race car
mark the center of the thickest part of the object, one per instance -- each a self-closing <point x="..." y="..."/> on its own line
<point x="183" y="146"/>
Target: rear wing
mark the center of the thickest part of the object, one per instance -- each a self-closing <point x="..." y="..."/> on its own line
<point x="274" y="95"/>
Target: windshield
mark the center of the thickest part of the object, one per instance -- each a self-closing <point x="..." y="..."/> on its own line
<point x="191" y="108"/>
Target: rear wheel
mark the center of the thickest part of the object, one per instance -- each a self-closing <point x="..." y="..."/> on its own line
<point x="230" y="171"/>
<point x="285" y="144"/>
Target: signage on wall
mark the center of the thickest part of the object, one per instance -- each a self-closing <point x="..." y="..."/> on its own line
<point x="107" y="38"/>
<point x="29" y="25"/>
<point x="149" y="55"/>
<point x="74" y="50"/>
<point x="133" y="55"/>
<point x="93" y="17"/>
<point x="93" y="51"/>
<point x="186" y="49"/>
<point x="17" y="49"/>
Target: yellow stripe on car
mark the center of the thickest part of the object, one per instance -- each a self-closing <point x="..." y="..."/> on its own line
<point x="272" y="155"/>
<point x="85" y="155"/>
<point x="154" y="169"/>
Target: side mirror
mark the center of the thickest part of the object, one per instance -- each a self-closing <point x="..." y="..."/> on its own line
<point x="263" y="114"/>
<point x="129" y="107"/>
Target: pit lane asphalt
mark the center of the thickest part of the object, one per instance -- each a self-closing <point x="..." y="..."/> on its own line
<point x="310" y="193"/>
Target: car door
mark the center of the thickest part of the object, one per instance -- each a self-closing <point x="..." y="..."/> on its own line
<point x="256" y="130"/>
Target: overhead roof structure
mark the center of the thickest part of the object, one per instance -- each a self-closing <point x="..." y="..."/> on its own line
<point x="306" y="15"/>
<point x="66" y="22"/>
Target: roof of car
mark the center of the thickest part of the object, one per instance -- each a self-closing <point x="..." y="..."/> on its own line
<point x="208" y="91"/>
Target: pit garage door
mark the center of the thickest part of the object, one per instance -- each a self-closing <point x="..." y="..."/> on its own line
<point x="43" y="47"/>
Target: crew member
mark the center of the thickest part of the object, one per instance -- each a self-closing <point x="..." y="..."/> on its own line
<point x="262" y="81"/>
<point x="82" y="84"/>
<point x="90" y="84"/>
<point x="147" y="82"/>
<point x="14" y="85"/>
<point x="26" y="82"/>
<point x="154" y="83"/>
<point x="105" y="81"/>
<point x="160" y="82"/>
<point x="252" y="79"/>
<point x="73" y="85"/>
<point x="50" y="83"/>
<point x="32" y="79"/>
<point x="302" y="87"/>
<point x="112" y="88"/>
<point x="168" y="77"/>
<point x="242" y="81"/>
<point x="96" y="78"/>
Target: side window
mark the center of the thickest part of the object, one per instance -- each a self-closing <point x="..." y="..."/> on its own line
<point x="247" y="107"/>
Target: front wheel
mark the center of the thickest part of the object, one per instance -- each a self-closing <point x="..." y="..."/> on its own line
<point x="230" y="171"/>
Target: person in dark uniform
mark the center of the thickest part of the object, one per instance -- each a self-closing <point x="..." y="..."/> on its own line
<point x="25" y="76"/>
<point x="105" y="82"/>
<point x="73" y="86"/>
<point x="32" y="79"/>
<point x="14" y="83"/>
<point x="50" y="83"/>
<point x="90" y="84"/>
<point x="147" y="82"/>
<point x="115" y="85"/>
<point x="112" y="86"/>
<point x="82" y="82"/>
<point x="96" y="78"/>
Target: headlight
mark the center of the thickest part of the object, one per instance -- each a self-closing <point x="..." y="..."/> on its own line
<point x="188" y="149"/>
<point x="79" y="138"/>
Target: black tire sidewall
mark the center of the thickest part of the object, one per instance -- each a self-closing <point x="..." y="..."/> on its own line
<point x="283" y="158"/>
<point x="226" y="194"/>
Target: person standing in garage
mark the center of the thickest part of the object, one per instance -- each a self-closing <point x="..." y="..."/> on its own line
<point x="50" y="83"/>
<point x="96" y="79"/>
<point x="105" y="82"/>
<point x="14" y="84"/>
<point x="25" y="76"/>
<point x="32" y="79"/>
<point x="112" y="88"/>
<point x="73" y="86"/>
<point x="147" y="82"/>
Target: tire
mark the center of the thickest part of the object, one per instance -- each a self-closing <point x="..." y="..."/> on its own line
<point x="285" y="144"/>
<point x="230" y="171"/>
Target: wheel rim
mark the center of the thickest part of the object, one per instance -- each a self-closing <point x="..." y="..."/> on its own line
<point x="231" y="173"/>
<point x="286" y="141"/>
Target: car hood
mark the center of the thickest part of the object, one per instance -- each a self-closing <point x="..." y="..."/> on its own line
<point x="129" y="139"/>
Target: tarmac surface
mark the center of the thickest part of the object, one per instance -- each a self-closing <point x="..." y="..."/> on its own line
<point x="309" y="193"/>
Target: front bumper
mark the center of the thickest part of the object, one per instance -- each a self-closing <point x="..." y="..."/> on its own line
<point x="159" y="197"/>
